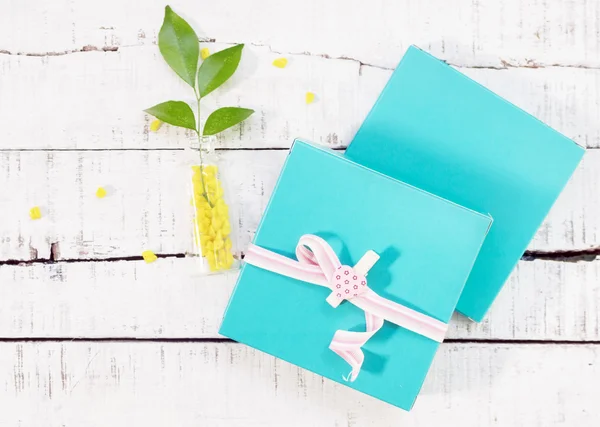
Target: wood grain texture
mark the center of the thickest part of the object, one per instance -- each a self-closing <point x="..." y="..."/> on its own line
<point x="76" y="75"/>
<point x="188" y="384"/>
<point x="148" y="203"/>
<point x="102" y="94"/>
<point x="147" y="206"/>
<point x="542" y="301"/>
<point x="466" y="32"/>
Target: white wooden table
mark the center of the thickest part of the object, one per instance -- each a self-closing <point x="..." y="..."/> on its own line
<point x="92" y="336"/>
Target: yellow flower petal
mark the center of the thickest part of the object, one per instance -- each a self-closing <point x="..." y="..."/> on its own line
<point x="222" y="257"/>
<point x="203" y="225"/>
<point x="217" y="222"/>
<point x="211" y="232"/>
<point x="204" y="53"/>
<point x="100" y="193"/>
<point x="205" y="239"/>
<point x="228" y="260"/>
<point x="221" y="208"/>
<point x="35" y="212"/>
<point x="211" y="170"/>
<point x="208" y="247"/>
<point x="149" y="256"/>
<point x="211" y="184"/>
<point x="212" y="262"/>
<point x="201" y="203"/>
<point x="226" y="228"/>
<point x="310" y="97"/>
<point x="280" y="62"/>
<point x="155" y="125"/>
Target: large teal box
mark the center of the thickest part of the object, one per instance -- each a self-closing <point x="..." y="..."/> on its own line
<point x="427" y="246"/>
<point x="438" y="130"/>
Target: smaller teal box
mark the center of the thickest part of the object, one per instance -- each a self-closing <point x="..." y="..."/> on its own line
<point x="438" y="130"/>
<point x="427" y="247"/>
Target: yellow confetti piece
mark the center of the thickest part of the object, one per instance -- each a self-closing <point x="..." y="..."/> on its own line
<point x="280" y="62"/>
<point x="310" y="97"/>
<point x="155" y="125"/>
<point x="35" y="212"/>
<point x="149" y="256"/>
<point x="100" y="193"/>
<point x="204" y="53"/>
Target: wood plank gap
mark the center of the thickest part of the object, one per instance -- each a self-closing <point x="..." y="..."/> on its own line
<point x="52" y="259"/>
<point x="587" y="255"/>
<point x="87" y="48"/>
<point x="504" y="64"/>
<point x="99" y="149"/>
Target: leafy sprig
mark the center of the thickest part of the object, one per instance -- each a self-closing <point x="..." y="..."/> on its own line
<point x="179" y="46"/>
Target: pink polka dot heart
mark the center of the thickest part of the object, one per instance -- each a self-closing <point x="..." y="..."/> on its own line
<point x="347" y="283"/>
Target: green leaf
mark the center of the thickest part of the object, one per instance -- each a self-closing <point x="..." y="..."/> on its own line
<point x="217" y="68"/>
<point x="179" y="46"/>
<point x="224" y="118"/>
<point x="176" y="113"/>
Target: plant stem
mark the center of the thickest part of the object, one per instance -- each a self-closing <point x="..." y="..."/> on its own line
<point x="204" y="192"/>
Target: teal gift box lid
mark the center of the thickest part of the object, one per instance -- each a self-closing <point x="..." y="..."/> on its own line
<point x="438" y="130"/>
<point x="427" y="247"/>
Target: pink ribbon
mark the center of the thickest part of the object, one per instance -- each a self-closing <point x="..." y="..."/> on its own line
<point x="318" y="264"/>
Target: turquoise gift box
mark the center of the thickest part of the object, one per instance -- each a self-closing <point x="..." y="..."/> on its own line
<point x="436" y="129"/>
<point x="427" y="246"/>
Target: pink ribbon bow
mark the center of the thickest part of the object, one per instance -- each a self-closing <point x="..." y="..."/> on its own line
<point x="318" y="264"/>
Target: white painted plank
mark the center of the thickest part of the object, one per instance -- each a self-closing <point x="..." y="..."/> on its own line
<point x="147" y="206"/>
<point x="148" y="202"/>
<point x="102" y="95"/>
<point x="190" y="384"/>
<point x="543" y="300"/>
<point x="377" y="32"/>
<point x="573" y="221"/>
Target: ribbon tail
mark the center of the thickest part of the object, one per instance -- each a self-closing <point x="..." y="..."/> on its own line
<point x="402" y="316"/>
<point x="348" y="344"/>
